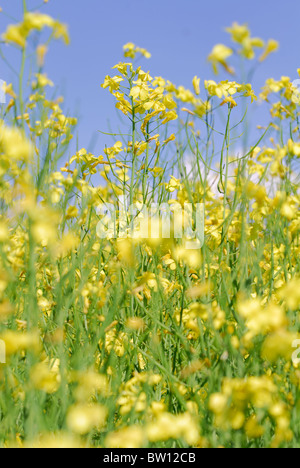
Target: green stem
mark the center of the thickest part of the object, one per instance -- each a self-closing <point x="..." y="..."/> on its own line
<point x="21" y="77"/>
<point x="21" y="87"/>
<point x="133" y="155"/>
<point x="146" y="163"/>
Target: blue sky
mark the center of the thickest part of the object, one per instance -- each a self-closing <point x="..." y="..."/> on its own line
<point x="179" y="34"/>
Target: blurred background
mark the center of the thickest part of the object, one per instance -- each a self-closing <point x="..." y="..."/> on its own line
<point x="179" y="34"/>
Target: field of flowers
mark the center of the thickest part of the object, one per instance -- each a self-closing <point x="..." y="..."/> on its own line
<point x="113" y="335"/>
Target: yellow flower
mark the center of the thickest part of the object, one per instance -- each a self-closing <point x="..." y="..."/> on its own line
<point x="289" y="210"/>
<point x="238" y="32"/>
<point x="173" y="185"/>
<point x="261" y="320"/>
<point x="60" y="31"/>
<point x="4" y="233"/>
<point x="18" y="341"/>
<point x="168" y="116"/>
<point x="72" y="212"/>
<point x="231" y="404"/>
<point x="19" y="33"/>
<point x="41" y="53"/>
<point x="90" y="383"/>
<point x="37" y="21"/>
<point x="15" y="34"/>
<point x="171" y="138"/>
<point x="279" y="345"/>
<point x="247" y="91"/>
<point x="116" y="342"/>
<point x="229" y="100"/>
<point x="83" y="418"/>
<point x="224" y="88"/>
<point x="253" y="429"/>
<point x="45" y="376"/>
<point x="218" y="56"/>
<point x="130" y="50"/>
<point x="42" y="81"/>
<point x="112" y="83"/>
<point x="168" y="426"/>
<point x="6" y="309"/>
<point x="217" y="403"/>
<point x="294" y="147"/>
<point x="44" y="232"/>
<point x="272" y="46"/>
<point x="192" y="257"/>
<point x="140" y="91"/>
<point x="290" y="294"/>
<point x="68" y="242"/>
<point x="169" y="102"/>
<point x="196" y="84"/>
<point x="241" y="35"/>
<point x="13" y="144"/>
<point x="128" y="437"/>
<point x="248" y="47"/>
<point x="54" y="441"/>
